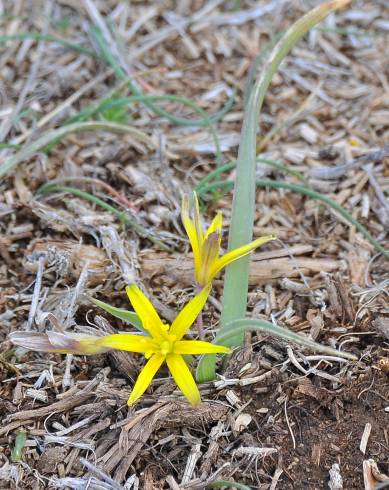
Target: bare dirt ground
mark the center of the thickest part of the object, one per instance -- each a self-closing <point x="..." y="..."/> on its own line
<point x="280" y="417"/>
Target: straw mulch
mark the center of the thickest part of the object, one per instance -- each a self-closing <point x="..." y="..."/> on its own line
<point x="279" y="417"/>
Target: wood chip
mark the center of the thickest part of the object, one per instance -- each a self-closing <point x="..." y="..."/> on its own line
<point x="260" y="271"/>
<point x="365" y="438"/>
<point x="63" y="405"/>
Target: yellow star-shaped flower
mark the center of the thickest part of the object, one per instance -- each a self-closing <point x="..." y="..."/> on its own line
<point x="206" y="247"/>
<point x="164" y="343"/>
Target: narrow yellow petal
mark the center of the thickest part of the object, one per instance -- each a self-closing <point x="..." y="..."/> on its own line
<point x="198" y="347"/>
<point x="238" y="253"/>
<point x="216" y="225"/>
<point x="189" y="313"/>
<point x="183" y="378"/>
<point x="194" y="238"/>
<point x="197" y="218"/>
<point x="146" y="312"/>
<point x="145" y="377"/>
<point x="128" y="342"/>
<point x="209" y="256"/>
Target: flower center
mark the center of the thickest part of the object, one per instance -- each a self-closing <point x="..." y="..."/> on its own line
<point x="166" y="346"/>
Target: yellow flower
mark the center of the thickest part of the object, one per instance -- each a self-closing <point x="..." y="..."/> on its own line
<point x="206" y="247"/>
<point x="164" y="343"/>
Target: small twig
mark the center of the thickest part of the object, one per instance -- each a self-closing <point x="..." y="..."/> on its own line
<point x="194" y="456"/>
<point x="99" y="473"/>
<point x="380" y="195"/>
<point x="289" y="426"/>
<point x="278" y="472"/>
<point x="365" y="438"/>
<point x="76" y="294"/>
<point x="36" y="293"/>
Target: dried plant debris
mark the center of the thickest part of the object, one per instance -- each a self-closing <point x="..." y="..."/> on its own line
<point x="67" y="259"/>
<point x="161" y="88"/>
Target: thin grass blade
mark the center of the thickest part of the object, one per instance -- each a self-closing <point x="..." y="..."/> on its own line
<point x="306" y="191"/>
<point x="249" y="324"/>
<point x="59" y="133"/>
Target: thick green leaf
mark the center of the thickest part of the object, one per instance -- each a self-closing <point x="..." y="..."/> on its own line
<point x="242" y="217"/>
<point x="17" y="451"/>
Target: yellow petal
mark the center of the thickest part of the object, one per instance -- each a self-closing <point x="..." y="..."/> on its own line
<point x="145" y="377"/>
<point x="146" y="312"/>
<point x="238" y="253"/>
<point x="192" y="232"/>
<point x="183" y="378"/>
<point x="189" y="313"/>
<point x="128" y="342"/>
<point x="197" y="218"/>
<point x="216" y="225"/>
<point x="209" y="256"/>
<point x="198" y="347"/>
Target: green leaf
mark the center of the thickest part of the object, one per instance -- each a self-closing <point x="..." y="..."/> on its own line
<point x="247" y="324"/>
<point x="239" y="327"/>
<point x="125" y="315"/>
<point x="227" y="484"/>
<point x="306" y="191"/>
<point x="17" y="451"/>
<point x="57" y="134"/>
<point x="242" y="217"/>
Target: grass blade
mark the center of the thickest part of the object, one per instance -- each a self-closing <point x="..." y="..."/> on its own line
<point x="121" y="75"/>
<point x="122" y="215"/>
<point x="38" y="36"/>
<point x="59" y="133"/>
<point x="246" y="325"/>
<point x="227" y="484"/>
<point x="307" y="191"/>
